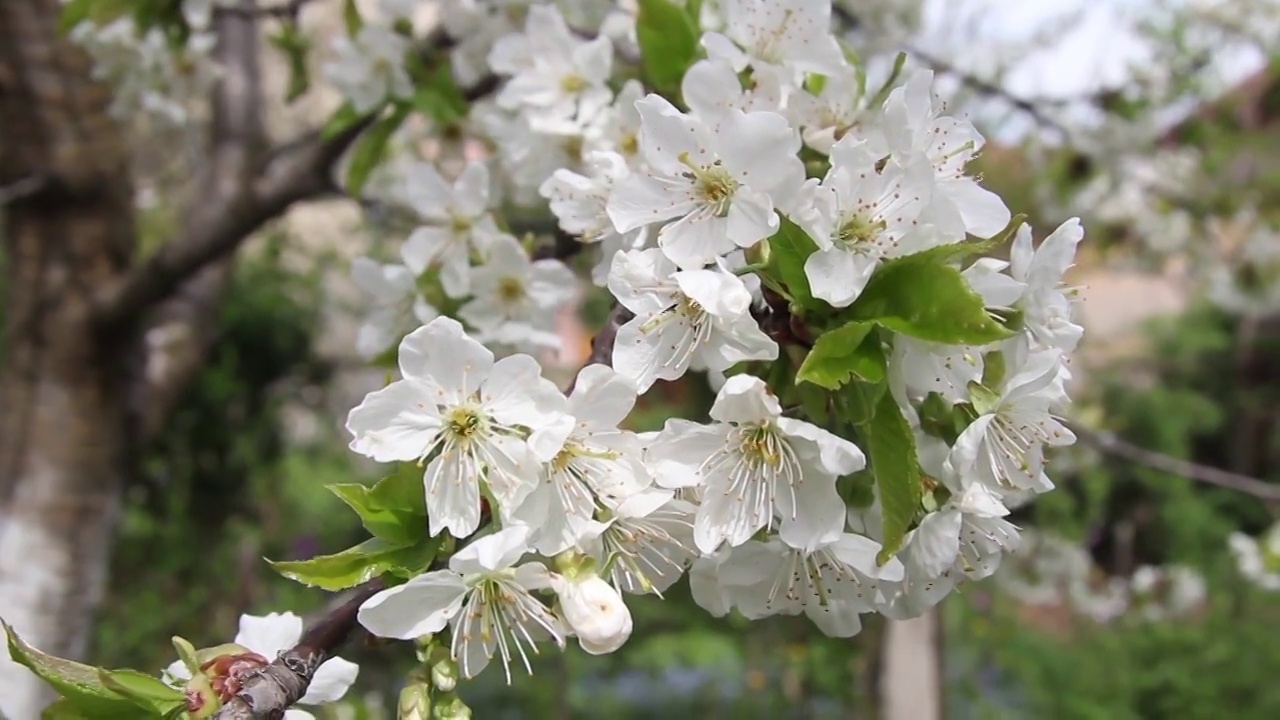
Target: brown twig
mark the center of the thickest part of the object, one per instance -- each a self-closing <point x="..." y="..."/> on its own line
<point x="282" y="683"/>
<point x="1112" y="444"/>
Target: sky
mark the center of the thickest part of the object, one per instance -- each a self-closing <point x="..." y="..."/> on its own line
<point x="1074" y="47"/>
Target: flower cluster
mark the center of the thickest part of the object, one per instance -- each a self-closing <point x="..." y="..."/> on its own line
<point x="1048" y="570"/>
<point x="561" y="510"/>
<point x="150" y="74"/>
<point x="1258" y="559"/>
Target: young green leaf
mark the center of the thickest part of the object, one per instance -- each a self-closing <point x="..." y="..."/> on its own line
<point x="147" y="692"/>
<point x="839" y="355"/>
<point x="351" y="17"/>
<point x="926" y="299"/>
<point x="969" y="248"/>
<point x="343" y="118"/>
<point x="668" y="39"/>
<point x="370" y="147"/>
<point x="891" y="449"/>
<point x="394" y="509"/>
<point x="81" y="685"/>
<point x="361" y="563"/>
<point x="789" y="248"/>
<point x="438" y="95"/>
<point x="295" y="46"/>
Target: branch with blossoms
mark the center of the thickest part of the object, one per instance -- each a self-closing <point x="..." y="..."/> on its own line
<point x="757" y="213"/>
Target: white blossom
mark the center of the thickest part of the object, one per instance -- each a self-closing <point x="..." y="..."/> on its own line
<point x="483" y="597"/>
<point x="860" y="216"/>
<point x="786" y="38"/>
<point x="477" y="422"/>
<point x="684" y="318"/>
<point x="718" y="181"/>
<point x="554" y="73"/>
<point x="370" y="68"/>
<point x="397" y="305"/>
<point x="754" y="465"/>
<point x="1258" y="559"/>
<point x="598" y="467"/>
<point x="459" y="226"/>
<point x="515" y="299"/>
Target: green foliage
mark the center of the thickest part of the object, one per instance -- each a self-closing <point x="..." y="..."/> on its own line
<point x="344" y="118"/>
<point x="355" y="565"/>
<point x="891" y="453"/>
<point x="372" y="145"/>
<point x="668" y="39"/>
<point x="437" y="95"/>
<point x="351" y="17"/>
<point x="921" y="297"/>
<point x="295" y="46"/>
<point x="852" y="351"/>
<point x="96" y="693"/>
<point x="395" y="509"/>
<point x="788" y="250"/>
<point x="1221" y="665"/>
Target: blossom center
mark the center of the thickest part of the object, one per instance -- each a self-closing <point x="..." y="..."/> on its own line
<point x="511" y="290"/>
<point x="629" y="144"/>
<point x="460" y="225"/>
<point x="712" y="185"/>
<point x="858" y="231"/>
<point x="573" y="83"/>
<point x="463" y="423"/>
<point x="761" y="447"/>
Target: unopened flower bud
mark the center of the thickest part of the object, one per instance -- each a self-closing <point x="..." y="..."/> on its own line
<point x="452" y="709"/>
<point x="415" y="702"/>
<point x="227" y="673"/>
<point x="444" y="675"/>
<point x="595" y="611"/>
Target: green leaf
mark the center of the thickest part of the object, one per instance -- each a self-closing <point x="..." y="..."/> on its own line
<point x="789" y="248"/>
<point x="394" y="509"/>
<point x="99" y="12"/>
<point x="891" y="448"/>
<point x="941" y="419"/>
<point x="963" y="250"/>
<point x="839" y="355"/>
<point x="342" y="119"/>
<point x="351" y="16"/>
<point x="439" y="97"/>
<point x="295" y="47"/>
<point x="144" y="690"/>
<point x="921" y="297"/>
<point x="814" y="401"/>
<point x="81" y="685"/>
<point x="370" y="147"/>
<point x="187" y="654"/>
<point x="361" y="563"/>
<point x="668" y="39"/>
<point x="857" y="490"/>
<point x="898" y="63"/>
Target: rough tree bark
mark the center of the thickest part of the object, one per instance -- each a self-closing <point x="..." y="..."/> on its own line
<point x="63" y="423"/>
<point x="98" y="345"/>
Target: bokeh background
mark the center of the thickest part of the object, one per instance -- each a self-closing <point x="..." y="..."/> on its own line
<point x="1157" y="122"/>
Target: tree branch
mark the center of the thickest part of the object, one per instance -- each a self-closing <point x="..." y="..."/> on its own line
<point x="284" y="11"/>
<point x="282" y="683"/>
<point x="239" y="203"/>
<point x="990" y="89"/>
<point x="1112" y="444"/>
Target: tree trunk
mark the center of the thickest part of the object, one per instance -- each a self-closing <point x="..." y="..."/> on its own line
<point x="65" y="429"/>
